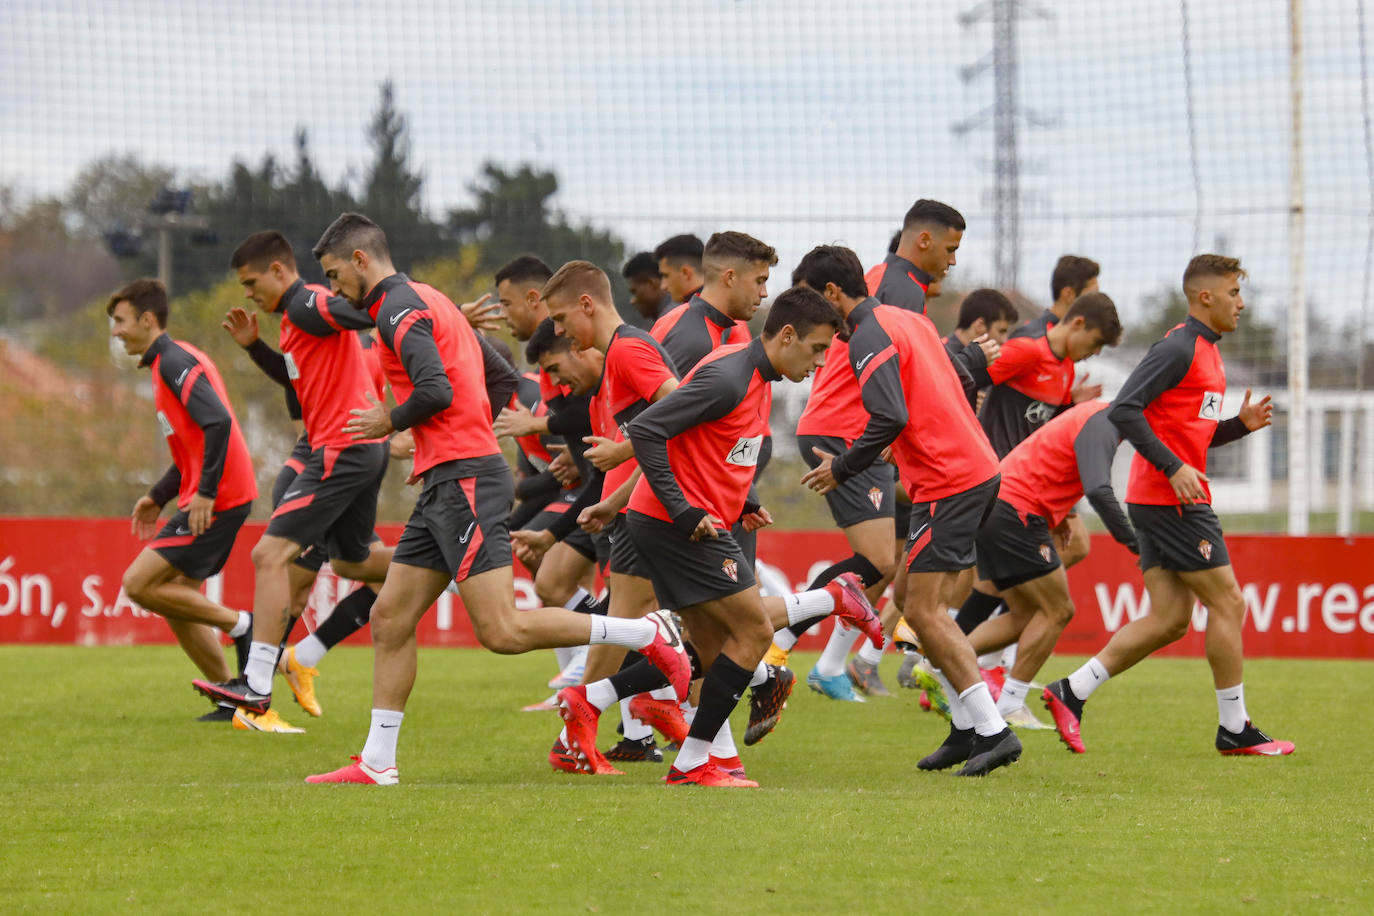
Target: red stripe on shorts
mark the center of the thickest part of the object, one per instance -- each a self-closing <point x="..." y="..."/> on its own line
<point x="469" y="485"/>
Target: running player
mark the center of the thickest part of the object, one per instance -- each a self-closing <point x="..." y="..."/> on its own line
<point x="211" y="478"/>
<point x="647" y="294"/>
<point x="1170" y="410"/>
<point x="916" y="405"/>
<point x="458" y="531"/>
<point x="679" y="267"/>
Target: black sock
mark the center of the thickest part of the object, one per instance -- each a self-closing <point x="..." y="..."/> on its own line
<point x="859" y="565"/>
<point x="602" y="607"/>
<point x="640" y="677"/>
<point x="350" y="615"/>
<point x="589" y="604"/>
<point x="285" y="637"/>
<point x="978" y="608"/>
<point x="725" y="683"/>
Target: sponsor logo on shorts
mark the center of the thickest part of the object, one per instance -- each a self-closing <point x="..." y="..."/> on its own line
<point x="875" y="496"/>
<point x="731" y="569"/>
<point x="1205" y="548"/>
<point x="1211" y="406"/>
<point x="467" y="534"/>
<point x="183" y="531"/>
<point x="1045" y="552"/>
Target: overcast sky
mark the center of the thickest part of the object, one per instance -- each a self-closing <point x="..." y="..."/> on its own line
<point x="802" y="122"/>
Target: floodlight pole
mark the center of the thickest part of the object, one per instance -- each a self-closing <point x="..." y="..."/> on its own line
<point x="1299" y="470"/>
<point x="165" y="224"/>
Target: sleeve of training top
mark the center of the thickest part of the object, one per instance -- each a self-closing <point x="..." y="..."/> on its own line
<point x="420" y="357"/>
<point x="1229" y="431"/>
<point x="167" y="487"/>
<point x="501" y="377"/>
<point x="293" y="405"/>
<point x="272" y="363"/>
<point x="688" y="341"/>
<point x="1163" y="367"/>
<point x="1016" y="356"/>
<point x="874" y="358"/>
<point x="589" y="494"/>
<point x="537" y="485"/>
<point x="209" y="413"/>
<point x="570" y="417"/>
<point x="709" y="395"/>
<point x="320" y="315"/>
<point x="975" y="362"/>
<point x="643" y="372"/>
<point x="1094" y="448"/>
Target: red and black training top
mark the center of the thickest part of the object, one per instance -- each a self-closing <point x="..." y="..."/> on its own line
<point x="209" y="456"/>
<point x="916" y="404"/>
<point x="1170" y="410"/>
<point x="899" y="283"/>
<point x="1064" y="460"/>
<point x="1037" y="326"/>
<point x="835" y="406"/>
<point x="445" y="377"/>
<point x="694" y="329"/>
<point x="1031" y="384"/>
<point x="698" y="446"/>
<point x="636" y="367"/>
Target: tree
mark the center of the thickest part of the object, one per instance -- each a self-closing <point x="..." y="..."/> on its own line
<point x="391" y="194"/>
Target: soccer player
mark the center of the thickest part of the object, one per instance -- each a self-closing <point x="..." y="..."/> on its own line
<point x="679" y="267"/>
<point x="1072" y="277"/>
<point x="211" y="478"/>
<point x="642" y="275"/>
<point x="458" y="530"/>
<point x="1042" y="479"/>
<point x="984" y="314"/>
<point x="917" y="406"/>
<point x="1170" y="410"/>
<point x="930" y="236"/>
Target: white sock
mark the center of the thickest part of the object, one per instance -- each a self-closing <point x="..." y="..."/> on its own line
<point x="724" y="745"/>
<point x="870" y="653"/>
<point x="1088" y="678"/>
<point x="262" y="664"/>
<point x="577" y="598"/>
<point x="664" y="693"/>
<point x="837" y="650"/>
<point x="1013" y="696"/>
<point x="760" y="675"/>
<point x="1009" y="657"/>
<point x="380" y="750"/>
<point x="629" y="633"/>
<point x="577" y="655"/>
<point x="310" y="650"/>
<point x="785" y="639"/>
<point x="689" y="712"/>
<point x="977" y="701"/>
<point x="242" y="625"/>
<point x="1231" y="708"/>
<point x="958" y="715"/>
<point x="634" y="729"/>
<point x="694" y="753"/>
<point x="561" y="655"/>
<point x="990" y="659"/>
<point x="601" y="694"/>
<point x="805" y="606"/>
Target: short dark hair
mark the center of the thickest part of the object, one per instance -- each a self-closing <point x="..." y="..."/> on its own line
<point x="679" y="250"/>
<point x="804" y="309"/>
<point x="734" y="246"/>
<point x="1098" y="311"/>
<point x="1211" y="265"/>
<point x="642" y="265"/>
<point x="987" y="304"/>
<point x="352" y="232"/>
<point x="545" y="339"/>
<point x="145" y="295"/>
<point x="260" y="249"/>
<point x="525" y="269"/>
<point x="894" y="242"/>
<point x="926" y="213"/>
<point x="1073" y="272"/>
<point x="832" y="264"/>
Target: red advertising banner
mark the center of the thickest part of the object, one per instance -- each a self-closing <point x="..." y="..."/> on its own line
<point x="1305" y="597"/>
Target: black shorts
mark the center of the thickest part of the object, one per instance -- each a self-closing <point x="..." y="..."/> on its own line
<point x="312" y="557"/>
<point x="461" y="522"/>
<point x="1015" y="548"/>
<point x="577" y="539"/>
<point x="200" y="557"/>
<point x="942" y="533"/>
<point x="901" y="509"/>
<point x="624" y="556"/>
<point x="687" y="572"/>
<point x="333" y="500"/>
<point x="865" y="496"/>
<point x="1178" y="538"/>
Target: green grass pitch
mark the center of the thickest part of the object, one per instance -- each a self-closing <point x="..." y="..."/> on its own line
<point x="115" y="799"/>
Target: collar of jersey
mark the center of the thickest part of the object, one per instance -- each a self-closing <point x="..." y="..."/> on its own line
<point x="861" y="311"/>
<point x="759" y="356"/>
<point x="713" y="314"/>
<point x="378" y="292"/>
<point x="1201" y="328"/>
<point x="162" y="342"/>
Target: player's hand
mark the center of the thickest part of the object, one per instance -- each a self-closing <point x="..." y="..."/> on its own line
<point x="144" y="522"/>
<point x="594" y="519"/>
<point x="706" y="528"/>
<point x="1085" y="392"/>
<point x="819" y="478"/>
<point x="605" y="454"/>
<point x="531" y="545"/>
<point x="242" y="325"/>
<point x="1258" y="415"/>
<point x="753" y="521"/>
<point x="990" y="347"/>
<point x="372" y="423"/>
<point x="1187" y="482"/>
<point x="1063" y="534"/>
<point x="402" y="445"/>
<point x="200" y="514"/>
<point x="885" y="456"/>
<point x="563" y="468"/>
<point x="482" y="315"/>
<point x="978" y="402"/>
<point x="518" y="421"/>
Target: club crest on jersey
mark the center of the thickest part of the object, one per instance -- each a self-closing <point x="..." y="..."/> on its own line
<point x="1211" y="406"/>
<point x="731" y="569"/>
<point x="1205" y="548"/>
<point x="1045" y="552"/>
<point x="875" y="496"/>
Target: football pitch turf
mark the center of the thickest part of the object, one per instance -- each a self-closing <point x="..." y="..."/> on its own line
<point x="116" y="799"/>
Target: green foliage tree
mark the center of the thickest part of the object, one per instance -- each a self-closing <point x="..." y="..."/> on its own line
<point x="1255" y="344"/>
